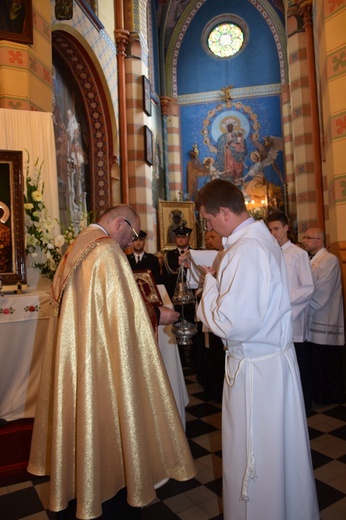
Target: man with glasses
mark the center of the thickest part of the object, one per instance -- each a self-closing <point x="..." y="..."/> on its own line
<point x="107" y="429"/>
<point x="301" y="287"/>
<point x="141" y="260"/>
<point x="326" y="320"/>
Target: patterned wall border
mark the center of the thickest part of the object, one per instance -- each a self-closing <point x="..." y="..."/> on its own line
<point x="332" y="7"/>
<point x="84" y="72"/>
<point x="338" y="126"/>
<point x="268" y="13"/>
<point x="337" y="191"/>
<point x="237" y="93"/>
<point x="35" y="63"/>
<point x="336" y="64"/>
<point x="22" y="58"/>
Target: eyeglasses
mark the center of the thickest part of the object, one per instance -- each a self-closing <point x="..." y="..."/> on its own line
<point x="135" y="235"/>
<point x="306" y="237"/>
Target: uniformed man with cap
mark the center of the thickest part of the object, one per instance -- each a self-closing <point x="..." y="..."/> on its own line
<point x="170" y="270"/>
<point x="171" y="266"/>
<point x="141" y="260"/>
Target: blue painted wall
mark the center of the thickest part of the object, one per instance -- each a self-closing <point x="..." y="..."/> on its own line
<point x="256" y="66"/>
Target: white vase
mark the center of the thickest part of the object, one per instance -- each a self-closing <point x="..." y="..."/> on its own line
<point x="34" y="276"/>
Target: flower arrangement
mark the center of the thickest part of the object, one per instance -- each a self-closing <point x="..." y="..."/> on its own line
<point x="40" y="234"/>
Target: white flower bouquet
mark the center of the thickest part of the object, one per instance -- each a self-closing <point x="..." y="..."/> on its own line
<point x="40" y="227"/>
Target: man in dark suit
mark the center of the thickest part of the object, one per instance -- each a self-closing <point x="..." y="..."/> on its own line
<point x="140" y="260"/>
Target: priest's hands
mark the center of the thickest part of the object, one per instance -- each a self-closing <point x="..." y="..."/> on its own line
<point x="184" y="259"/>
<point x="168" y="316"/>
<point x="207" y="269"/>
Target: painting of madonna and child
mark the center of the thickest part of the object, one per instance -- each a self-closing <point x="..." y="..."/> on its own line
<point x="233" y="144"/>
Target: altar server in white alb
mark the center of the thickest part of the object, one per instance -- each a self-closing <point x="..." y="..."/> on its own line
<point x="301" y="287"/>
<point x="267" y="469"/>
<point x="326" y="333"/>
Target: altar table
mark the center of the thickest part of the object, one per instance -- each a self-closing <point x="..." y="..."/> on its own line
<point x="171" y="359"/>
<point x="23" y="330"/>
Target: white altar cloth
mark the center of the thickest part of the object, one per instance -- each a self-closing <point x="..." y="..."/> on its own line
<point x="170" y="354"/>
<point x="23" y="330"/>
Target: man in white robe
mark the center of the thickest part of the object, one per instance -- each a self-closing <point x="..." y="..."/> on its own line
<point x="326" y="334"/>
<point x="267" y="470"/>
<point x="301" y="287"/>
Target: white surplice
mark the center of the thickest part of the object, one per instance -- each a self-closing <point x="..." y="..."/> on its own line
<point x="326" y="310"/>
<point x="267" y="470"/>
<point x="301" y="287"/>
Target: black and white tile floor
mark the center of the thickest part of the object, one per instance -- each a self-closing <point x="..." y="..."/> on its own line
<point x="200" y="498"/>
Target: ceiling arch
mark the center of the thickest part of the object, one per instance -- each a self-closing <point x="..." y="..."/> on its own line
<point x="172" y="52"/>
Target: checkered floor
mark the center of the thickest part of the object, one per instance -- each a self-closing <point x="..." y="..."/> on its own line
<point x="200" y="498"/>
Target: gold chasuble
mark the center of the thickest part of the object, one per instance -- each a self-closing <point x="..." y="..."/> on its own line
<point x="106" y="417"/>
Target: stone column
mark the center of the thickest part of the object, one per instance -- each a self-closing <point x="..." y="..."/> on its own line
<point x="305" y="10"/>
<point x="170" y="113"/>
<point x="121" y="40"/>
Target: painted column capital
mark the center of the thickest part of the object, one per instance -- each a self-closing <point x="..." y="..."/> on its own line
<point x="121" y="40"/>
<point x="305" y="11"/>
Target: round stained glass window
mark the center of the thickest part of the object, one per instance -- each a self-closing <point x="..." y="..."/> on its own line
<point x="225" y="40"/>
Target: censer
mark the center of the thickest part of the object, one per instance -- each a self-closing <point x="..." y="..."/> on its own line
<point x="183" y="330"/>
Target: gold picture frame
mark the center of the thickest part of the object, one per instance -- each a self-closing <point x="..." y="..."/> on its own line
<point x="18" y="28"/>
<point x="12" y="217"/>
<point x="172" y="215"/>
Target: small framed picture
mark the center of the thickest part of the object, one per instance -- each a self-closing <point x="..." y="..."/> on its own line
<point x="148" y="287"/>
<point x="16" y="21"/>
<point x="173" y="215"/>
<point x="148" y="143"/>
<point x="146" y="95"/>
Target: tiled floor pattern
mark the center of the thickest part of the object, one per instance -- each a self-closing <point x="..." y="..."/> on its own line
<point x="200" y="498"/>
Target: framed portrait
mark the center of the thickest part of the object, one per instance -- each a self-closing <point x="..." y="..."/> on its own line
<point x="12" y="234"/>
<point x="173" y="215"/>
<point x="148" y="287"/>
<point x="148" y="144"/>
<point x="146" y="95"/>
<point x="16" y="21"/>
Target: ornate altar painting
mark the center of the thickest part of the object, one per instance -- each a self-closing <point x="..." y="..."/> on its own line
<point x="12" y="254"/>
<point x="236" y="145"/>
<point x="172" y="215"/>
<point x="72" y="148"/>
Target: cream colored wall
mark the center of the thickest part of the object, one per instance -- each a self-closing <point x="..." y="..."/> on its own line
<point x="106" y="15"/>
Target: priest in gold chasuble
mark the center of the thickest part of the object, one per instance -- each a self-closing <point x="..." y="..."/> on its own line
<point x="106" y="417"/>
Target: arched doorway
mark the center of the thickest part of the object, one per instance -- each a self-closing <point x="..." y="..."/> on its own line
<point x="83" y="138"/>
